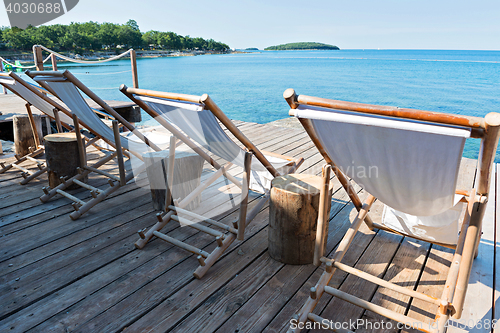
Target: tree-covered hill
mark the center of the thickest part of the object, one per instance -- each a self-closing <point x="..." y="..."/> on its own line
<point x="302" y="46"/>
<point x="93" y="36"/>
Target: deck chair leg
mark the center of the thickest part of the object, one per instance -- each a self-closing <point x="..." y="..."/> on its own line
<point x="100" y="197"/>
<point x="319" y="289"/>
<point x="49" y="193"/>
<point x="20" y="160"/>
<point x="81" y="147"/>
<point x="323" y="216"/>
<point x="221" y="248"/>
<point x="446" y="309"/>
<point x="162" y="221"/>
<point x="33" y="125"/>
<point x="244" y="193"/>
<point x="469" y="249"/>
<point x="33" y="176"/>
<point x="119" y="153"/>
<point x="214" y="256"/>
<point x="6" y="168"/>
<point x="170" y="171"/>
<point x="58" y="121"/>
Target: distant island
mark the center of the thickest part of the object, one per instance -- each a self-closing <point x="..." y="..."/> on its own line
<point x="302" y="46"/>
<point x="251" y="49"/>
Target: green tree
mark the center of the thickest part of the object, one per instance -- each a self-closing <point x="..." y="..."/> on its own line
<point x="91" y="36"/>
<point x="108" y="35"/>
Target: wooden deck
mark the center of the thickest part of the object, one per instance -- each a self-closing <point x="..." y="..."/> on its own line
<point x="11" y="105"/>
<point x="61" y="275"/>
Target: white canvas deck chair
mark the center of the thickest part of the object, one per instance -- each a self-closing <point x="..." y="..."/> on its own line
<point x="414" y="157"/>
<point x="194" y="120"/>
<point x="67" y="88"/>
<point x="21" y="88"/>
<point x="37" y="97"/>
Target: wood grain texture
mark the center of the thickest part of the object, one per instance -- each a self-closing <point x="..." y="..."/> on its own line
<point x="86" y="276"/>
<point x="293" y="217"/>
<point x="63" y="157"/>
<point x="23" y="134"/>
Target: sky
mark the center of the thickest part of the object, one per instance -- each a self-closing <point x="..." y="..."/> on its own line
<point x="361" y="24"/>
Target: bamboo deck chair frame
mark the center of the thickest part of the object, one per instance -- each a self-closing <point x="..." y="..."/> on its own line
<point x="237" y="231"/>
<point x="39" y="93"/>
<point x="98" y="195"/>
<point x="451" y="302"/>
<point x="39" y="149"/>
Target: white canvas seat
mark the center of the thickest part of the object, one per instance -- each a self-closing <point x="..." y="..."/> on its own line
<point x="203" y="128"/>
<point x="409" y="160"/>
<point x="380" y="154"/>
<point x="24" y="90"/>
<point x="196" y="121"/>
<point x="69" y="90"/>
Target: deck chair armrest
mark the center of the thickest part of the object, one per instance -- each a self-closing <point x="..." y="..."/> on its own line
<point x="268" y="153"/>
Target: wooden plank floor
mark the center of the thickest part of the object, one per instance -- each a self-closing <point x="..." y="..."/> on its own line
<point x="11" y="105"/>
<point x="59" y="275"/>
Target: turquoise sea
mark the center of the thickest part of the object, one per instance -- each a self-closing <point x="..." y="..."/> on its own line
<point x="250" y="86"/>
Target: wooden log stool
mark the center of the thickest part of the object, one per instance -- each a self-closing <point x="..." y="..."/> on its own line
<point x="188" y="167"/>
<point x="293" y="217"/>
<point x="63" y="158"/>
<point x="23" y="134"/>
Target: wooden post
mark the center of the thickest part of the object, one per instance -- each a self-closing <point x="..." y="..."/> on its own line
<point x="293" y="216"/>
<point x="53" y="59"/>
<point x="38" y="57"/>
<point x="133" y="60"/>
<point x="63" y="157"/>
<point x="23" y="133"/>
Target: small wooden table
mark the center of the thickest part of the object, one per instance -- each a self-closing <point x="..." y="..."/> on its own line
<point x="63" y="158"/>
<point x="23" y="133"/>
<point x="293" y="216"/>
<point x="187" y="176"/>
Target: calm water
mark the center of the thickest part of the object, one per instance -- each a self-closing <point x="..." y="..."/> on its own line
<point x="250" y="86"/>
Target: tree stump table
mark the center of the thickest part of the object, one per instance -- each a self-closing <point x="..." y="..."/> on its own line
<point x="187" y="176"/>
<point x="23" y="133"/>
<point x="63" y="158"/>
<point x="293" y="217"/>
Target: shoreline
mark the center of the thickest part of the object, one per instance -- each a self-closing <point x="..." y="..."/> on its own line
<point x="27" y="58"/>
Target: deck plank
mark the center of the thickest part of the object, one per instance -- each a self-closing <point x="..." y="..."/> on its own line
<point x="406" y="267"/>
<point x="61" y="275"/>
<point x="119" y="315"/>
